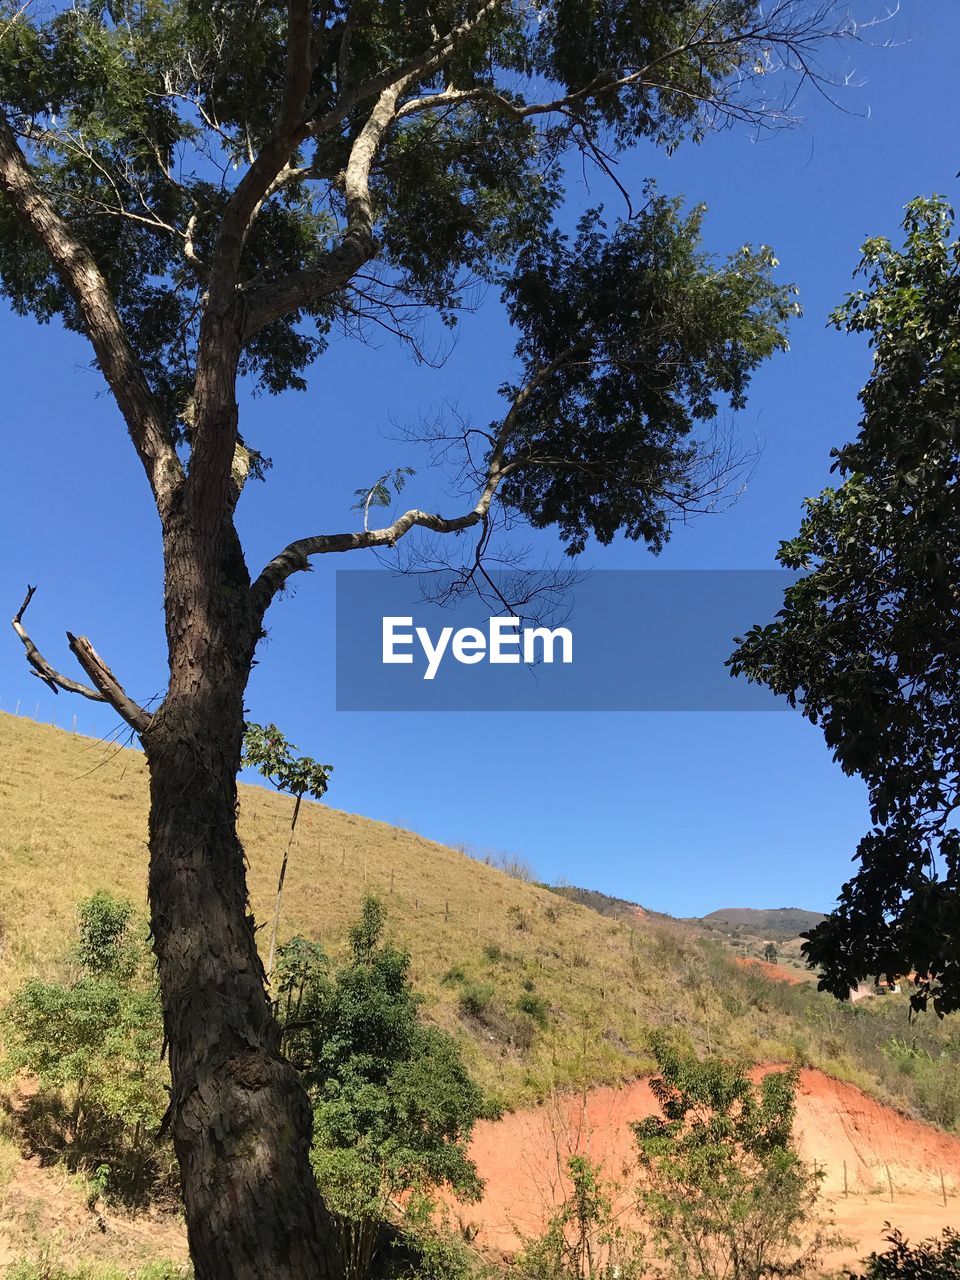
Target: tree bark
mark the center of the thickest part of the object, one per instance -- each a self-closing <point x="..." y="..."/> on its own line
<point x="239" y="1116"/>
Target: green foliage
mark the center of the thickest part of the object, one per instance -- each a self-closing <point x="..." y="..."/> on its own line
<point x="93" y="1045"/>
<point x="393" y="1103"/>
<point x="382" y="492"/>
<point x="770" y="953"/>
<point x="48" y="1269"/>
<point x="140" y="123"/>
<point x="476" y="998"/>
<point x="105" y="946"/>
<point x="621" y="415"/>
<point x="867" y="641"/>
<point x="586" y="1238"/>
<point x="275" y="758"/>
<point x="937" y="1259"/>
<point x="534" y="1007"/>
<point x="722" y="1185"/>
<point x="431" y="1248"/>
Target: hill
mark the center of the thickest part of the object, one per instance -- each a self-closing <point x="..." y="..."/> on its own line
<point x="542" y="991"/>
<point x="777" y="922"/>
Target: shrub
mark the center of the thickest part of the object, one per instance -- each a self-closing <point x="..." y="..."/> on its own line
<point x="936" y="1259"/>
<point x="534" y="1007"/>
<point x="722" y="1184"/>
<point x="586" y="1238"/>
<point x="475" y="999"/>
<point x="521" y="921"/>
<point x="93" y="1045"/>
<point x="393" y="1103"/>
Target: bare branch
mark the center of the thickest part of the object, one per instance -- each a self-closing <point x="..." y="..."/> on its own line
<point x="296" y="557"/>
<point x="78" y="270"/>
<point x="41" y="667"/>
<point x="108" y="688"/>
<point x="107" y="683"/>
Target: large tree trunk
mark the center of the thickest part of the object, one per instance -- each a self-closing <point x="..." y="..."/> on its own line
<point x="240" y="1118"/>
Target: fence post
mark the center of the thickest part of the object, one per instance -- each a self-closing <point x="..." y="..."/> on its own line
<point x="889" y="1181"/>
<point x="845" y="1178"/>
<point x="943" y="1189"/>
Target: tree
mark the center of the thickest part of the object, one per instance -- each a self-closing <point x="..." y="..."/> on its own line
<point x="207" y="191"/>
<point x="868" y="640"/>
<point x="770" y="953"/>
<point x="269" y="752"/>
<point x="393" y="1104"/>
<point x="722" y="1184"/>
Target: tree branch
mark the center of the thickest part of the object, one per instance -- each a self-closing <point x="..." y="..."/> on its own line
<point x="108" y="688"/>
<point x="107" y="683"/>
<point x="358" y="245"/>
<point x="296" y="556"/>
<point x="289" y="131"/>
<point x="78" y="270"/>
<point x="222" y="325"/>
<point x="425" y="64"/>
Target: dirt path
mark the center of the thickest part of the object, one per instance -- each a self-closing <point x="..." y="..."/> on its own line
<point x="521" y="1158"/>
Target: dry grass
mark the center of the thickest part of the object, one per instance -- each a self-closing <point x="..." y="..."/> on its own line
<point x="73" y="819"/>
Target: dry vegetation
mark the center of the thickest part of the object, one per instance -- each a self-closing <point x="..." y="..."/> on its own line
<point x="543" y="992"/>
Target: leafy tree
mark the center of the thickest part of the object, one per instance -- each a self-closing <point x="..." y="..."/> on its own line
<point x="868" y="639"/>
<point x="208" y="192"/>
<point x="393" y="1104"/>
<point x="268" y="751"/>
<point x="770" y="953"/>
<point x="722" y="1184"/>
<point x="93" y="1045"/>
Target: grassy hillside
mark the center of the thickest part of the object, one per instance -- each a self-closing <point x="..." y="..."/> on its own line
<point x="778" y="922"/>
<point x="542" y="991"/>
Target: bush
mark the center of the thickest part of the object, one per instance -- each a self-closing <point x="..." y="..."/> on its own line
<point x="393" y="1104"/>
<point x="722" y="1184"/>
<point x="534" y="1007"/>
<point x="586" y="1238"/>
<point x="475" y="999"/>
<point x="93" y="1046"/>
<point x="937" y="1259"/>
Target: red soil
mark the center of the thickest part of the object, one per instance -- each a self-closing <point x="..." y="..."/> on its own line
<point x="776" y="972"/>
<point x="522" y="1158"/>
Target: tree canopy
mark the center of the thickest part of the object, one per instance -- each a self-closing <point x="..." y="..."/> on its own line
<point x="867" y="643"/>
<point x="351" y="165"/>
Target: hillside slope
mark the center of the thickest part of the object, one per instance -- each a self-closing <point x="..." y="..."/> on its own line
<point x="542" y="992"/>
<point x="777" y="922"/>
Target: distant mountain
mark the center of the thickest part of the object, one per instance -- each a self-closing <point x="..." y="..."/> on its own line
<point x="777" y="922"/>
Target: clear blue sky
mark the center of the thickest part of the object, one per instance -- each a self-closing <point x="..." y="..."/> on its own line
<point x="682" y="812"/>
